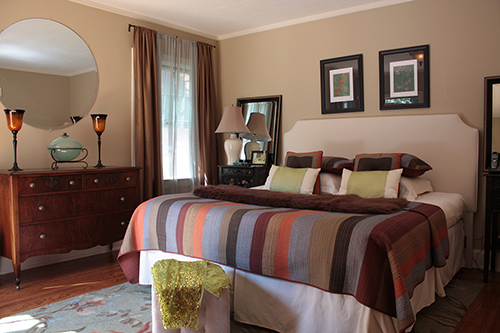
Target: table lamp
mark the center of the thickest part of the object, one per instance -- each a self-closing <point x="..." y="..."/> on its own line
<point x="258" y="132"/>
<point x="232" y="122"/>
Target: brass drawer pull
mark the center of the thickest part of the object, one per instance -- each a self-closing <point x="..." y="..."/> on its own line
<point x="42" y="236"/>
<point x="122" y="199"/>
<point x="128" y="179"/>
<point x="72" y="182"/>
<point x="32" y="185"/>
<point x="96" y="180"/>
<point x="40" y="208"/>
<point x="123" y="222"/>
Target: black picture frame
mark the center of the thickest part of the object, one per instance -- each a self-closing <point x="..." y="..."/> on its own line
<point x="331" y="69"/>
<point x="259" y="157"/>
<point x="398" y="71"/>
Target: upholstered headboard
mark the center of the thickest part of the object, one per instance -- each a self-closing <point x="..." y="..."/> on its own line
<point x="445" y="142"/>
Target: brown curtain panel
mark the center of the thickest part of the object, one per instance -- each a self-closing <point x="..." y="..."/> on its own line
<point x="207" y="115"/>
<point x="147" y="131"/>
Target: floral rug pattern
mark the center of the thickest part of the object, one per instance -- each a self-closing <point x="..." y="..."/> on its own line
<point x="125" y="308"/>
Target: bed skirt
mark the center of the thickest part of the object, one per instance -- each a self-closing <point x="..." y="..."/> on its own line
<point x="296" y="307"/>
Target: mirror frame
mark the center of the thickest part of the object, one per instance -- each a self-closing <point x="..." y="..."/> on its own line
<point x="37" y="92"/>
<point x="488" y="121"/>
<point x="275" y="130"/>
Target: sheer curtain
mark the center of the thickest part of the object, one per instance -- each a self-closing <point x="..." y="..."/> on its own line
<point x="178" y="116"/>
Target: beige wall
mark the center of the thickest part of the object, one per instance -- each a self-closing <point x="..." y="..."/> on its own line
<point x="464" y="48"/>
<point x="46" y="94"/>
<point x="111" y="43"/>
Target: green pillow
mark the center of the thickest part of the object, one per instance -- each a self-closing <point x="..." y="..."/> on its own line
<point x="292" y="180"/>
<point x="371" y="184"/>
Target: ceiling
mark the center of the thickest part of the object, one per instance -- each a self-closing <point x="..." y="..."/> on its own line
<point x="222" y="19"/>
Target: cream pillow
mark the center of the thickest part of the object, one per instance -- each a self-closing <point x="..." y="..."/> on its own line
<point x="330" y="183"/>
<point x="371" y="184"/>
<point x="293" y="180"/>
<point x="411" y="187"/>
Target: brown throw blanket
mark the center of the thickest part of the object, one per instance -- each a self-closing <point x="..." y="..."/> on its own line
<point x="332" y="203"/>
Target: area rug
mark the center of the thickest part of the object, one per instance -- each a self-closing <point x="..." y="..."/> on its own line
<point x="126" y="308"/>
<point x="446" y="312"/>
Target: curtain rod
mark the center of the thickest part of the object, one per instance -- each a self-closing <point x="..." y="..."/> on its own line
<point x="133" y="26"/>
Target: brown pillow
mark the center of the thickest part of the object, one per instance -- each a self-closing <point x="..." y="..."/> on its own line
<point x="412" y="166"/>
<point x="305" y="160"/>
<point x="335" y="165"/>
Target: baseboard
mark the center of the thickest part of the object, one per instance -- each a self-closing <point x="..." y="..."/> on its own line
<point x="49" y="259"/>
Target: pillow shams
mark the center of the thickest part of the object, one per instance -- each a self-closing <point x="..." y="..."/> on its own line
<point x="411" y="187"/>
<point x="293" y="180"/>
<point x="371" y="184"/>
<point x="330" y="183"/>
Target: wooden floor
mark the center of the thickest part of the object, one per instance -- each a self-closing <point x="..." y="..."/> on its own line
<point x="49" y="284"/>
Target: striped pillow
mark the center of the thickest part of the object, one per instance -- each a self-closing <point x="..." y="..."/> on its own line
<point x="371" y="184"/>
<point x="335" y="165"/>
<point x="305" y="160"/>
<point x="412" y="166"/>
<point x="292" y="180"/>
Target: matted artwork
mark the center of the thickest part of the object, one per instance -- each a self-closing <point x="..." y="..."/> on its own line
<point x="404" y="78"/>
<point x="342" y="84"/>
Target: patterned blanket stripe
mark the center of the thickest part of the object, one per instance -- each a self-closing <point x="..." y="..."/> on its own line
<point x="377" y="258"/>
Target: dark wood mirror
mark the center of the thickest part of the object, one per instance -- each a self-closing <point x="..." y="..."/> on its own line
<point x="491" y="121"/>
<point x="271" y="107"/>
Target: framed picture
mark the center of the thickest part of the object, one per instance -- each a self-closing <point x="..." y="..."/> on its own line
<point x="404" y="78"/>
<point x="342" y="84"/>
<point x="259" y="157"/>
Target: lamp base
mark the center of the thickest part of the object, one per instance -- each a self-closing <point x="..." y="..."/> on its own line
<point x="253" y="145"/>
<point x="232" y="146"/>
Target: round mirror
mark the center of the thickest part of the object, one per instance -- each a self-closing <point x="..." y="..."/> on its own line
<point x="47" y="70"/>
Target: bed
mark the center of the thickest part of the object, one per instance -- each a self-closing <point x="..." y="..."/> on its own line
<point x="276" y="291"/>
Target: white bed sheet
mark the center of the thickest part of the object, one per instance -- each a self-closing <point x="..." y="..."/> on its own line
<point x="295" y="307"/>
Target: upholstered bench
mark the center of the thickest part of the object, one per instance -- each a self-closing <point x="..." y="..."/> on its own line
<point x="189" y="297"/>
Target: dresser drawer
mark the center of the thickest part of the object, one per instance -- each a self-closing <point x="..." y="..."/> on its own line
<point x="60" y="206"/>
<point x="237" y="171"/>
<point x="44" y="184"/>
<point x="109" y="180"/>
<point x="74" y="233"/>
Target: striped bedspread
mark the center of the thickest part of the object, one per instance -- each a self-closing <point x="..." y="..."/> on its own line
<point x="379" y="259"/>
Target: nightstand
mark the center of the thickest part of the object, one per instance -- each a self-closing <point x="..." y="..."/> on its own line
<point x="244" y="176"/>
<point x="491" y="240"/>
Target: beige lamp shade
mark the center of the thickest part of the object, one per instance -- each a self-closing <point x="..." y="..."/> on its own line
<point x="257" y="128"/>
<point x="232" y="121"/>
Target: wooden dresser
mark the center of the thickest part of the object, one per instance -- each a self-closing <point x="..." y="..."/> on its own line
<point x="45" y="212"/>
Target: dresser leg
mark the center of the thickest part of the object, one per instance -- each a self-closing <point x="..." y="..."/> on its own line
<point x="17" y="274"/>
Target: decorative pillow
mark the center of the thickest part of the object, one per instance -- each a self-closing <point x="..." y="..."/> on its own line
<point x="305" y="160"/>
<point x="335" y="165"/>
<point x="372" y="162"/>
<point x="371" y="184"/>
<point x="412" y="166"/>
<point x="411" y="187"/>
<point x="293" y="180"/>
<point x="330" y="183"/>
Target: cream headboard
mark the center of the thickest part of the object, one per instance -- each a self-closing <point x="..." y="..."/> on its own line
<point x="444" y="141"/>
